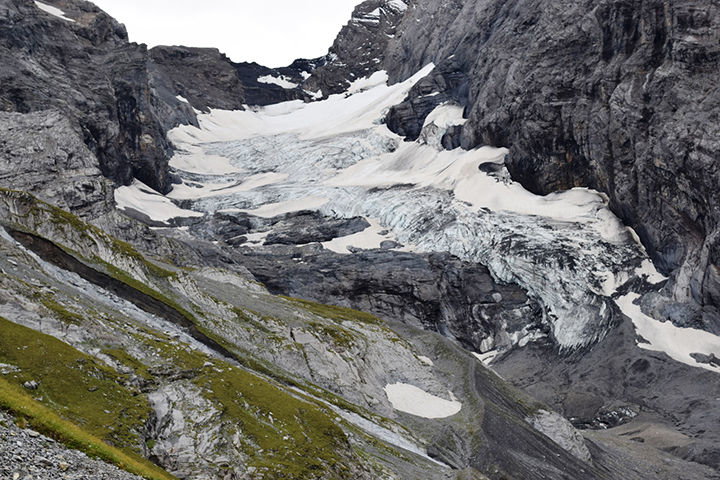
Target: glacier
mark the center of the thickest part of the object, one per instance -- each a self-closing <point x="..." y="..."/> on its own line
<point x="337" y="157"/>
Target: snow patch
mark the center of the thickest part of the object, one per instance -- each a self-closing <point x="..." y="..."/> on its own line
<point x="362" y="84"/>
<point x="281" y="81"/>
<point x="445" y="116"/>
<point x="144" y="199"/>
<point x="397" y="5"/>
<point x="486" y="358"/>
<point x="648" y="271"/>
<point x="368" y="239"/>
<point x="415" y="401"/>
<point x="54" y="11"/>
<point x="677" y="342"/>
<point x="271" y="210"/>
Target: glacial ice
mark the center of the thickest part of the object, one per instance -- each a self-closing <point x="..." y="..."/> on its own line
<point x="336" y="156"/>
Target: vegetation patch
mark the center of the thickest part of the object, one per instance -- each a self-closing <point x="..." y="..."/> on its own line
<point x="287" y="437"/>
<point x="334" y="313"/>
<point x="46" y="421"/>
<point x="60" y="312"/>
<point x="75" y="385"/>
<point x="63" y="219"/>
<point x="341" y="337"/>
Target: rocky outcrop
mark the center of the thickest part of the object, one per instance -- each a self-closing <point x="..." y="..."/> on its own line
<point x="44" y="153"/>
<point x="358" y="50"/>
<point x="615" y="95"/>
<point x="207" y="79"/>
<point x="437" y="292"/>
<point x="84" y="66"/>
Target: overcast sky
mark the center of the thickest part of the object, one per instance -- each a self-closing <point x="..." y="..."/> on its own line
<point x="270" y="32"/>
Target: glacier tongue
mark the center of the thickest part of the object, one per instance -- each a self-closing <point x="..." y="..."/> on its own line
<point x="335" y="156"/>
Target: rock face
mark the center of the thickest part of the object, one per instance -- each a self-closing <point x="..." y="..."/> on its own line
<point x="437" y="292"/>
<point x="616" y="95"/>
<point x="84" y="66"/>
<point x="45" y="154"/>
<point x="358" y="50"/>
<point x="208" y="79"/>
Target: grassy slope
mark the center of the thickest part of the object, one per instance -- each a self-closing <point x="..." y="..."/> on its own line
<point x="81" y="403"/>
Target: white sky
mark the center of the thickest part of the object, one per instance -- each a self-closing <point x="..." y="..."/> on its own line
<point x="270" y="32"/>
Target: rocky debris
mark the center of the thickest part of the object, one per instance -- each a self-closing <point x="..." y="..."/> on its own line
<point x="562" y="432"/>
<point x="27" y="455"/>
<point x="295" y="228"/>
<point x="711" y="359"/>
<point x="608" y="385"/>
<point x="44" y="153"/>
<point x="31" y="385"/>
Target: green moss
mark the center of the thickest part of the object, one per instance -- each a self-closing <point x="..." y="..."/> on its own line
<point x="288" y="437"/>
<point x="180" y="355"/>
<point x="60" y="311"/>
<point x="43" y="419"/>
<point x="341" y="337"/>
<point x="75" y="385"/>
<point x="334" y="313"/>
<point x="62" y="219"/>
<point x="122" y="357"/>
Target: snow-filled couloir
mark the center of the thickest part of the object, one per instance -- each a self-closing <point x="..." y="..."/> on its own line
<point x="337" y="157"/>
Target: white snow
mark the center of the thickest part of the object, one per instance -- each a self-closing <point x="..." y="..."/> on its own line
<point x="53" y="11"/>
<point x="182" y="99"/>
<point x="367" y="239"/>
<point x="281" y="208"/>
<point x="678" y="343"/>
<point x="195" y="161"/>
<point x="486" y="358"/>
<point x="280" y="81"/>
<point x="446" y="115"/>
<point x="334" y="116"/>
<point x="374" y="80"/>
<point x="397" y="5"/>
<point x="415" y="401"/>
<point x="567" y="248"/>
<point x="144" y="199"/>
<point x="648" y="271"/>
